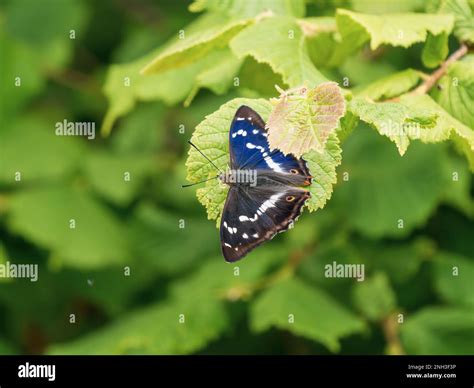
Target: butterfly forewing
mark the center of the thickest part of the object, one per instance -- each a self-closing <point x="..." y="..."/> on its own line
<point x="249" y="147"/>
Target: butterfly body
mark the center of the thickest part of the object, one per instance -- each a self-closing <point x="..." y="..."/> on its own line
<point x="267" y="189"/>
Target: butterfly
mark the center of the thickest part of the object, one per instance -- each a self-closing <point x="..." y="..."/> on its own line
<point x="267" y="189"/>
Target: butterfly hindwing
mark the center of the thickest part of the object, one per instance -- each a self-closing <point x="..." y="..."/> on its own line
<point x="249" y="147"/>
<point x="253" y="215"/>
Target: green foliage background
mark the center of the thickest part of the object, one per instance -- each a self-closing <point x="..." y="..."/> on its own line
<point x="143" y="130"/>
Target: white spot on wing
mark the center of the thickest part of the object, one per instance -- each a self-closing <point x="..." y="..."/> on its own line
<point x="255" y="131"/>
<point x="274" y="166"/>
<point x="245" y="235"/>
<point x="240" y="118"/>
<point x="228" y="245"/>
<point x="255" y="235"/>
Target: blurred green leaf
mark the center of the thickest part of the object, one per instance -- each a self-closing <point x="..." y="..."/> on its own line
<point x="117" y="178"/>
<point x="435" y="50"/>
<point x="303" y="310"/>
<point x="218" y="77"/>
<point x="43" y="216"/>
<point x="374" y="297"/>
<point x="384" y="194"/>
<point x="439" y="330"/>
<point x="159" y="241"/>
<point x="155" y="330"/>
<point x="453" y="276"/>
<point x="31" y="147"/>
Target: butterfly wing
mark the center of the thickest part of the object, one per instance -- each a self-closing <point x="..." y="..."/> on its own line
<point x="249" y="149"/>
<point x="253" y="215"/>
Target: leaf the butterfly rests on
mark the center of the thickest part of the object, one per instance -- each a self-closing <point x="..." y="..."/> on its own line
<point x="212" y="137"/>
<point x="256" y="210"/>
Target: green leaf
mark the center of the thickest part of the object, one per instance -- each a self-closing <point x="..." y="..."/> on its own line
<point x="463" y="18"/>
<point x="384" y="194"/>
<point x="219" y="77"/>
<point x="159" y="241"/>
<point x="117" y="178"/>
<point x="404" y="29"/>
<point x="455" y="92"/>
<point x="97" y="240"/>
<point x="435" y="50"/>
<point x="439" y="331"/>
<point x="395" y="120"/>
<point x="31" y="147"/>
<point x="212" y="138"/>
<point x="375" y="297"/>
<point x="447" y="127"/>
<point x="303" y="119"/>
<point x="124" y="85"/>
<point x="211" y="31"/>
<point x="316" y="315"/>
<point x="251" y="8"/>
<point x="323" y="170"/>
<point x="453" y="276"/>
<point x="392" y="85"/>
<point x="154" y="330"/>
<point x="281" y="44"/>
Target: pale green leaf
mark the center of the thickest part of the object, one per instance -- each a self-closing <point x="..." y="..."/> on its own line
<point x="215" y="32"/>
<point x="463" y="16"/>
<point x="124" y="85"/>
<point x="401" y="29"/>
<point x="303" y="119"/>
<point x="453" y="276"/>
<point x="455" y="92"/>
<point x="322" y="167"/>
<point x="316" y="315"/>
<point x="391" y="86"/>
<point x="374" y="297"/>
<point x="282" y="45"/>
<point x="447" y="127"/>
<point x="439" y="330"/>
<point x="218" y="77"/>
<point x="399" y="122"/>
<point x="251" y="8"/>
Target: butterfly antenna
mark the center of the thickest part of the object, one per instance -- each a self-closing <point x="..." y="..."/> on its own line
<point x="209" y="160"/>
<point x="197" y="183"/>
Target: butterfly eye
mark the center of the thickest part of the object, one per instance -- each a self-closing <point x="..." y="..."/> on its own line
<point x="294" y="171"/>
<point x="290" y="198"/>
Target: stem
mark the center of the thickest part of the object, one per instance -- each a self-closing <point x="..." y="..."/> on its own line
<point x="431" y="80"/>
<point x="390" y="328"/>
